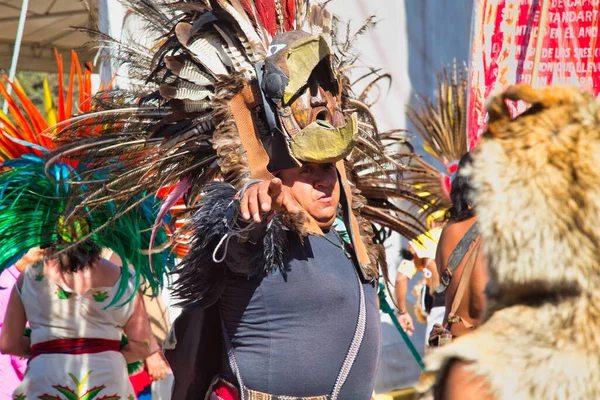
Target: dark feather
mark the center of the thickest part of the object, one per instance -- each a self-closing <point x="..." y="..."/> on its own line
<point x="200" y="280"/>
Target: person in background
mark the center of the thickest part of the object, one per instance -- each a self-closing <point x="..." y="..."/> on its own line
<point x="12" y="368"/>
<point x="156" y="364"/>
<point x="75" y="340"/>
<point x="459" y="243"/>
<point x="420" y="256"/>
<point x="148" y="379"/>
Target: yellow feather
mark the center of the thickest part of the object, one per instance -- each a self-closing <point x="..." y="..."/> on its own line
<point x="430" y="150"/>
<point x="18" y="84"/>
<point x="6" y="120"/>
<point x="49" y="104"/>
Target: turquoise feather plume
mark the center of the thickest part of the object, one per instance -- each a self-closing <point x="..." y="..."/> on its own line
<point x="31" y="205"/>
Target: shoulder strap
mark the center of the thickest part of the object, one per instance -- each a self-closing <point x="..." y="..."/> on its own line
<point x="457" y="256"/>
<point x="359" y="334"/>
<point x="462" y="247"/>
<point x="465" y="278"/>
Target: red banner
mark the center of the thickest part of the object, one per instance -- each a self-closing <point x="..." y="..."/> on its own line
<point x="539" y="42"/>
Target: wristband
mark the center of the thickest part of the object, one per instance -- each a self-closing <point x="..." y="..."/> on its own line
<point x="407" y="268"/>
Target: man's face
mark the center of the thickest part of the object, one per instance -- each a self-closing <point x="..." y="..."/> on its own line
<point x="316" y="188"/>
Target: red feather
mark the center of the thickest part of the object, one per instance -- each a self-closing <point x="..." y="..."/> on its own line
<point x="290" y="15"/>
<point x="249" y="9"/>
<point x="268" y="15"/>
<point x="69" y="100"/>
<point x="75" y="60"/>
<point x="61" y="95"/>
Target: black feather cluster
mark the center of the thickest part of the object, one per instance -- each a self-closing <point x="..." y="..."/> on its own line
<point x="200" y="280"/>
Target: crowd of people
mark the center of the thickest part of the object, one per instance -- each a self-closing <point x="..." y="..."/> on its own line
<point x="246" y="122"/>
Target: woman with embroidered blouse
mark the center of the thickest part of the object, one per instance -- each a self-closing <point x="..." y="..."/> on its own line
<point x="75" y="343"/>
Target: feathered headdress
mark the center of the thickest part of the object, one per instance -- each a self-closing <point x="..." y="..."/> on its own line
<point x="235" y="89"/>
<point x="37" y="205"/>
<point x="441" y="124"/>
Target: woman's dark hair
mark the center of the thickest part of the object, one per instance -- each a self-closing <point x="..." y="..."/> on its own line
<point x="460" y="193"/>
<point x="406" y="254"/>
<point x="76" y="258"/>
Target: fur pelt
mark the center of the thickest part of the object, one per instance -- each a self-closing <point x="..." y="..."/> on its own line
<point x="200" y="280"/>
<point x="226" y="138"/>
<point x="537" y="195"/>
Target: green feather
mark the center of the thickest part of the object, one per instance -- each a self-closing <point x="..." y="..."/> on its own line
<point x="31" y="206"/>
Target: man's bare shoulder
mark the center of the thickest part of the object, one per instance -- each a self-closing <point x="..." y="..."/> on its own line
<point x="451" y="235"/>
<point x="460" y="383"/>
<point x="458" y="228"/>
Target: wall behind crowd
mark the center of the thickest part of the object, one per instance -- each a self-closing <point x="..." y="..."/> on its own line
<point x="412" y="40"/>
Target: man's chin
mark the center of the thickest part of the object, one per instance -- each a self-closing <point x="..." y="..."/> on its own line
<point x="325" y="221"/>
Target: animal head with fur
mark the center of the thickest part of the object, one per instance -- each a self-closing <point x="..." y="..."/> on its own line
<point x="537" y="183"/>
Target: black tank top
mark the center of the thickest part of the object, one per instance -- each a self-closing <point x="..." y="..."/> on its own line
<point x="291" y="334"/>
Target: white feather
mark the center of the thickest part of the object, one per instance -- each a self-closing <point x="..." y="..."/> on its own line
<point x="192" y="73"/>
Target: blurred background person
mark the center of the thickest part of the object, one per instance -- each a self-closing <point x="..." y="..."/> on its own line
<point x="420" y="257"/>
<point x="152" y="378"/>
<point x="461" y="265"/>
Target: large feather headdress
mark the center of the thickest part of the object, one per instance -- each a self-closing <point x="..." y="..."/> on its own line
<point x="234" y="89"/>
<point x="37" y="205"/>
<point x="441" y="124"/>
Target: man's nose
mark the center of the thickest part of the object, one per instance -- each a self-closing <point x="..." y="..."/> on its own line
<point x="323" y="179"/>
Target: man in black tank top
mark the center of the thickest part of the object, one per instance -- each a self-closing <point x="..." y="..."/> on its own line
<point x="295" y="304"/>
<point x="290" y="329"/>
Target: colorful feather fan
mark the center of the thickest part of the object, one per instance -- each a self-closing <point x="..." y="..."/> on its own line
<point x="26" y="131"/>
<point x="33" y="208"/>
<point x="37" y="203"/>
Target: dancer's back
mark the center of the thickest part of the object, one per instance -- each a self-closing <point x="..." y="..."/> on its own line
<point x="71" y="305"/>
<point x="472" y="305"/>
<point x="75" y="338"/>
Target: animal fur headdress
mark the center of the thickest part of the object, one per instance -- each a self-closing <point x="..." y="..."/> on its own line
<point x="537" y="179"/>
<point x="537" y="195"/>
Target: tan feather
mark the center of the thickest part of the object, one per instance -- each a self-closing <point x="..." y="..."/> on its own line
<point x="184" y="90"/>
<point x="301" y="13"/>
<point x="442" y="123"/>
<point x="202" y="48"/>
<point x="189" y="71"/>
<point x="320" y="21"/>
